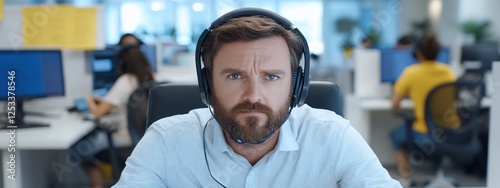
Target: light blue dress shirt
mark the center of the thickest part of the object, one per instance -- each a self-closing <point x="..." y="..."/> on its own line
<point x="316" y="148"/>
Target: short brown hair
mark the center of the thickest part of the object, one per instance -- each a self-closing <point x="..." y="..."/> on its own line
<point x="247" y="29"/>
<point x="429" y="47"/>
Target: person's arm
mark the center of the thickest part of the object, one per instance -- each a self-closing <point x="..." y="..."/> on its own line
<point x="401" y="88"/>
<point x="358" y="166"/>
<point x="98" y="107"/>
<point x="117" y="95"/>
<point x="396" y="100"/>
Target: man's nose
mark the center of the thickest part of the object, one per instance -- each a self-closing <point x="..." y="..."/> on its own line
<point x="253" y="90"/>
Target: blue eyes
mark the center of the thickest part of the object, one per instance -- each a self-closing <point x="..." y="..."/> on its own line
<point x="238" y="76"/>
<point x="234" y="76"/>
<point x="272" y="77"/>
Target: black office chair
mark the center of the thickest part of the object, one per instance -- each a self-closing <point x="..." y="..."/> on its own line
<point x="137" y="111"/>
<point x="172" y="99"/>
<point x="451" y="114"/>
<point x="136" y="122"/>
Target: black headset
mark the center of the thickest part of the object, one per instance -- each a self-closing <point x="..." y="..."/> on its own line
<point x="301" y="75"/>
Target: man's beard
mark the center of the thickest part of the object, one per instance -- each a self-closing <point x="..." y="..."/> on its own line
<point x="252" y="133"/>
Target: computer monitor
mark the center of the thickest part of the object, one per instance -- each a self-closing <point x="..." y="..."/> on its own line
<point x="485" y="54"/>
<point x="394" y="61"/>
<point x="104" y="71"/>
<point x="29" y="74"/>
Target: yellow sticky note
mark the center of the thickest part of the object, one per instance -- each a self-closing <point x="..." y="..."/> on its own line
<point x="1" y="10"/>
<point x="59" y="27"/>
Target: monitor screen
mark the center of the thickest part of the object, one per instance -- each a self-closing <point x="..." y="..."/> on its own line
<point x="29" y="74"/>
<point x="37" y="73"/>
<point x="444" y="56"/>
<point x="102" y="65"/>
<point x="394" y="61"/>
<point x="104" y="72"/>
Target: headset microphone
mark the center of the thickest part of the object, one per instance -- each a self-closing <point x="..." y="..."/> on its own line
<point x="240" y="141"/>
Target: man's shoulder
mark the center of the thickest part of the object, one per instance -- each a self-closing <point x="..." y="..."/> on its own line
<point x="127" y="77"/>
<point x="318" y="119"/>
<point x="415" y="71"/>
<point x="444" y="66"/>
<point x="414" y="68"/>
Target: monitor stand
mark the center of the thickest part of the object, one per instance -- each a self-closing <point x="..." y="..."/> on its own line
<point x="15" y="118"/>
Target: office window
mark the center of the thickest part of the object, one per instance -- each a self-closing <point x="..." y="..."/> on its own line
<point x="340" y="11"/>
<point x="152" y="21"/>
<point x="308" y="17"/>
<point x="132" y="17"/>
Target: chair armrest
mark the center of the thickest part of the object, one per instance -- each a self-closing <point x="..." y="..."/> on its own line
<point x="107" y="127"/>
<point x="407" y="117"/>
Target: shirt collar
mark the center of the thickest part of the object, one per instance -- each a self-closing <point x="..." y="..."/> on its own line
<point x="428" y="61"/>
<point x="219" y="142"/>
<point x="287" y="139"/>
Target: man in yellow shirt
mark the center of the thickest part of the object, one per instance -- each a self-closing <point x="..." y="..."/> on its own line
<point x="417" y="81"/>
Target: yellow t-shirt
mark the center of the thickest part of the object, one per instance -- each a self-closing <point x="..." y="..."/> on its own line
<point x="417" y="81"/>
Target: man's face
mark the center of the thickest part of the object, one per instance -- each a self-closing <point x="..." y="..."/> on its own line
<point x="252" y="87"/>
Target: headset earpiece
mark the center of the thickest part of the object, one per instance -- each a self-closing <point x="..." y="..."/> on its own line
<point x="206" y="85"/>
<point x="297" y="86"/>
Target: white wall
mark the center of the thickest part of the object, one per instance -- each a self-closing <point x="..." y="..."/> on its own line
<point x="411" y="11"/>
<point x="449" y="34"/>
<point x="480" y="10"/>
<point x="494" y="143"/>
<point x="494" y="16"/>
<point x="493" y="7"/>
<point x="477" y="9"/>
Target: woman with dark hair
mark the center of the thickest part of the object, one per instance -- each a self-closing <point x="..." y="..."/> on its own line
<point x="134" y="70"/>
<point x="129" y="39"/>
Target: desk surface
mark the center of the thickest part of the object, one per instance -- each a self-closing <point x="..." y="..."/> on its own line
<point x="65" y="129"/>
<point x="385" y="103"/>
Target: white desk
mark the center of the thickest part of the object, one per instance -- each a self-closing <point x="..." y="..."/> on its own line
<point x="360" y="110"/>
<point x="65" y="129"/>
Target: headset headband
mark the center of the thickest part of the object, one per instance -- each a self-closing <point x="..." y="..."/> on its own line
<point x="243" y="12"/>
